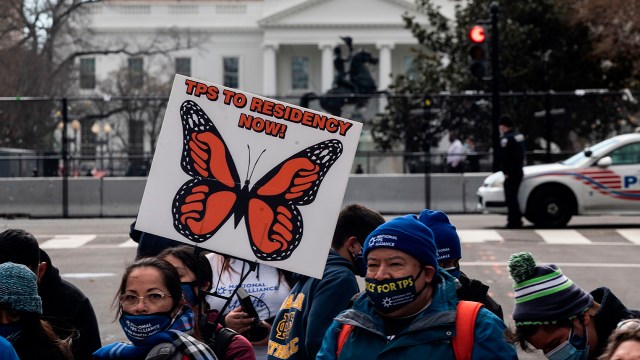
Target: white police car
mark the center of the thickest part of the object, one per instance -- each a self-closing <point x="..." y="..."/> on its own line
<point x="602" y="179"/>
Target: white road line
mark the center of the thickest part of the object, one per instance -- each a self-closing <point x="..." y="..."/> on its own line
<point x="128" y="244"/>
<point x="67" y="241"/>
<point x="562" y="237"/>
<point x="632" y="235"/>
<point x="563" y="265"/>
<point x="86" y="275"/>
<point x="479" y="236"/>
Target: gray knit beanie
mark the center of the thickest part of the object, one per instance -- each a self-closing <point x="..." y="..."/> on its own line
<point x="19" y="288"/>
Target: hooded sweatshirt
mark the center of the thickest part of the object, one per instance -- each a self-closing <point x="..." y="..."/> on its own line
<point x="308" y="311"/>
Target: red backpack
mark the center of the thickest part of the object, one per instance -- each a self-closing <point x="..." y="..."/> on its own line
<point x="466" y="313"/>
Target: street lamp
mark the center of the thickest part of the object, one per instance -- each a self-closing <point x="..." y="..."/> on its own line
<point x="74" y="139"/>
<point x="102" y="130"/>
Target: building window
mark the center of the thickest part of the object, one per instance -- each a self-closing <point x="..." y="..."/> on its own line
<point x="231" y="71"/>
<point x="87" y="73"/>
<point x="183" y="66"/>
<point x="136" y="73"/>
<point x="409" y="68"/>
<point x="300" y="73"/>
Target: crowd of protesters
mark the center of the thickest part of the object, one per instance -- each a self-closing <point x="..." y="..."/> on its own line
<point x="176" y="301"/>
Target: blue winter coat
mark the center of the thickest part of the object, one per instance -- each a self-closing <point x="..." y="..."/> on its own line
<point x="429" y="336"/>
<point x="308" y="311"/>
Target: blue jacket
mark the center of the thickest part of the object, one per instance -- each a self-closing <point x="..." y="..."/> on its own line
<point x="7" y="352"/>
<point x="309" y="309"/>
<point x="429" y="336"/>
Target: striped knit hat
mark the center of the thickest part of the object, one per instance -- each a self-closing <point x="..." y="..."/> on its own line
<point x="543" y="294"/>
<point x="19" y="288"/>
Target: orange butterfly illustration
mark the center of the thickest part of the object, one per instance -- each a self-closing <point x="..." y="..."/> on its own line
<point x="215" y="193"/>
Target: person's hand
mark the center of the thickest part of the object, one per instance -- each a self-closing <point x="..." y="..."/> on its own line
<point x="264" y="341"/>
<point x="238" y="320"/>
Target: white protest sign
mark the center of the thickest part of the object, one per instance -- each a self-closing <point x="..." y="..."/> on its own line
<point x="248" y="176"/>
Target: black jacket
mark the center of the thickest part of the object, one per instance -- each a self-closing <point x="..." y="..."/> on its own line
<point x="611" y="312"/>
<point x="513" y="151"/>
<point x="474" y="290"/>
<point x="69" y="311"/>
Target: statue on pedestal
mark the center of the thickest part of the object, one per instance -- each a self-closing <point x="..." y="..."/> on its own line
<point x="353" y="86"/>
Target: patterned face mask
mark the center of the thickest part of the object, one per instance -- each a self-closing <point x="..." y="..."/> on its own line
<point x="389" y="295"/>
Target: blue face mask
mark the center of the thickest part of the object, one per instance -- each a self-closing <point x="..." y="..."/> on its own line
<point x="575" y="348"/>
<point x="137" y="328"/>
<point x="11" y="331"/>
<point x="189" y="293"/>
<point x="454" y="271"/>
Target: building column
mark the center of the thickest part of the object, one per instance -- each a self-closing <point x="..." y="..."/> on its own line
<point x="384" y="67"/>
<point x="269" y="69"/>
<point x="327" y="65"/>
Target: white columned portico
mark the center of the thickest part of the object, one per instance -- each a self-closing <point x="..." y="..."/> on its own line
<point x="269" y="69"/>
<point x="384" y="68"/>
<point x="327" y="65"/>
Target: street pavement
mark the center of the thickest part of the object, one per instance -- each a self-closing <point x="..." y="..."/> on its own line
<point x="593" y="251"/>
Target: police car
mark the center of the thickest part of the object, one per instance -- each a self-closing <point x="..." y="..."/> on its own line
<point x="602" y="179"/>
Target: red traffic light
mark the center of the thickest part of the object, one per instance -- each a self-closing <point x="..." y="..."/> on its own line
<point x="476" y="34"/>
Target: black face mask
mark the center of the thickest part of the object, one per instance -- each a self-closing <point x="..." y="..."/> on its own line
<point x="389" y="295"/>
<point x="359" y="265"/>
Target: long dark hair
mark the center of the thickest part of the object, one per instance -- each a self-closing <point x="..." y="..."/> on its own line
<point x="39" y="341"/>
<point x="169" y="276"/>
<point x="195" y="260"/>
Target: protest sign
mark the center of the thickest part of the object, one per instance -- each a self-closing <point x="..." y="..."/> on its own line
<point x="248" y="176"/>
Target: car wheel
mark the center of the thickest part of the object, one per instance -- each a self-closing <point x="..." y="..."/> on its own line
<point x="551" y="207"/>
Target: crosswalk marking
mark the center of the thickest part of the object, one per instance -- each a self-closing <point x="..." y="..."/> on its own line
<point x="67" y="241"/>
<point x="632" y="235"/>
<point x="556" y="237"/>
<point x="607" y="237"/>
<point x="128" y="244"/>
<point x="479" y="236"/>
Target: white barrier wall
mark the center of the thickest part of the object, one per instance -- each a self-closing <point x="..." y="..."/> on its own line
<point x="121" y="196"/>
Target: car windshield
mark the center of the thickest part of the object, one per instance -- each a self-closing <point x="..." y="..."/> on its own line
<point x="595" y="150"/>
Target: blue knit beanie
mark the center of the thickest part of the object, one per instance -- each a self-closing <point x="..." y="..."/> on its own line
<point x="406" y="234"/>
<point x="444" y="233"/>
<point x="19" y="288"/>
<point x="543" y="294"/>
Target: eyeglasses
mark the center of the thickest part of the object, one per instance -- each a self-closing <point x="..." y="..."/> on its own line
<point x="129" y="301"/>
<point x="628" y="325"/>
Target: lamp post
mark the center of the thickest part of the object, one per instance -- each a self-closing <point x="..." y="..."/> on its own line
<point x="102" y="130"/>
<point x="72" y="140"/>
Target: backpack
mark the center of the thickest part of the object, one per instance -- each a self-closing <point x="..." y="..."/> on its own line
<point x="466" y="313"/>
<point x="220" y="341"/>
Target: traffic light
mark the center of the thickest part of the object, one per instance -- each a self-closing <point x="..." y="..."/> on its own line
<point x="478" y="51"/>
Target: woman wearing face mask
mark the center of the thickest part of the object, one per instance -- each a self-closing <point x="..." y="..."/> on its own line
<point x="153" y="316"/>
<point x="195" y="277"/>
<point x="20" y="323"/>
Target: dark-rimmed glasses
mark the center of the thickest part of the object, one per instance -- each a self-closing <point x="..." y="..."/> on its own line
<point x="130" y="301"/>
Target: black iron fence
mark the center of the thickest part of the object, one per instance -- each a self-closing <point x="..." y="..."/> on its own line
<point x="116" y="136"/>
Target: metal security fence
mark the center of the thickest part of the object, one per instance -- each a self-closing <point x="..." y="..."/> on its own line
<point x="116" y="136"/>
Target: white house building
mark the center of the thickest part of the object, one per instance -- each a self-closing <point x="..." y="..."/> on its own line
<point x="274" y="48"/>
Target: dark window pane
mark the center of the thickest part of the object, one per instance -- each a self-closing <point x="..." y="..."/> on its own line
<point x="136" y="73"/>
<point x="231" y="72"/>
<point x="183" y="66"/>
<point x="87" y="73"/>
<point x="300" y="73"/>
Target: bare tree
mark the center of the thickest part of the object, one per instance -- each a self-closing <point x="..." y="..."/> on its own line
<point x="40" y="41"/>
